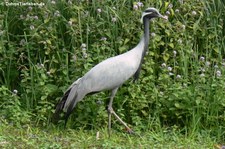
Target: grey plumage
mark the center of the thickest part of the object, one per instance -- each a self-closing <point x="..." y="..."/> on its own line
<point x="110" y="74"/>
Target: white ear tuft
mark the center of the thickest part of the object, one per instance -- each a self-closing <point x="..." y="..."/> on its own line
<point x="144" y="14"/>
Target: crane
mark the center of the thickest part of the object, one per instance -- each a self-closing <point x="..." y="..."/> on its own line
<point x="109" y="74"/>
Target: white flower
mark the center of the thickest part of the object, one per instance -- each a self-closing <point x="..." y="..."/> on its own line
<point x="22" y="42"/>
<point x="99" y="10"/>
<point x="83" y="45"/>
<point x="140" y="4"/>
<point x="168" y="12"/>
<point x="153" y="34"/>
<point x="74" y="58"/>
<point x="218" y="73"/>
<point x="170" y="6"/>
<point x="1" y="33"/>
<point x="53" y="2"/>
<point x="32" y="27"/>
<point x="57" y="13"/>
<point x="135" y="7"/>
<point x="169" y="68"/>
<point x="70" y="2"/>
<point x="163" y="65"/>
<point x="36" y="17"/>
<point x="174" y="53"/>
<point x="202" y="58"/>
<point x="178" y="76"/>
<point x="48" y="73"/>
<point x="207" y="63"/>
<point x="183" y="27"/>
<point x="103" y="39"/>
<point x="215" y="66"/>
<point x="42" y="65"/>
<point x="114" y="19"/>
<point x="202" y="69"/>
<point x="193" y="13"/>
<point x="30" y="8"/>
<point x="85" y="55"/>
<point x="179" y="41"/>
<point x="84" y="49"/>
<point x="15" y="91"/>
<point x="161" y="93"/>
<point x="177" y="10"/>
<point x="181" y="1"/>
<point x="22" y="17"/>
<point x="70" y="23"/>
<point x="202" y="75"/>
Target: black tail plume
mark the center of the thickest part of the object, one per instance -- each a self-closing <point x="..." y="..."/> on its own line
<point x="59" y="114"/>
<point x="69" y="111"/>
<point x="70" y="97"/>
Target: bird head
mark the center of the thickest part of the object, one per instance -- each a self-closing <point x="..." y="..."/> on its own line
<point x="151" y="13"/>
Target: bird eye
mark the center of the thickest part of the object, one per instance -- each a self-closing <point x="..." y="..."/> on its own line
<point x="155" y="12"/>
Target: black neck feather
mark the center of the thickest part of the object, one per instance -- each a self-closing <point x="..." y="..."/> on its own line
<point x="146" y="42"/>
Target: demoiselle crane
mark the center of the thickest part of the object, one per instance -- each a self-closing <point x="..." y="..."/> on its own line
<point x="110" y="74"/>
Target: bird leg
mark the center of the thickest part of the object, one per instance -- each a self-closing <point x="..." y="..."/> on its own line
<point x="109" y="122"/>
<point x="129" y="130"/>
<point x="111" y="111"/>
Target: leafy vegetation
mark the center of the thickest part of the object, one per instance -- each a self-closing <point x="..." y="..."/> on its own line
<point x="43" y="49"/>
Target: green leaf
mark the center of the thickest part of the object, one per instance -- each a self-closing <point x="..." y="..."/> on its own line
<point x="177" y="105"/>
<point x="171" y="45"/>
<point x="167" y="32"/>
<point x="51" y="87"/>
<point x="166" y="57"/>
<point x="216" y="50"/>
<point x="123" y="48"/>
<point x="49" y="41"/>
<point x="126" y="40"/>
<point x="198" y="101"/>
<point x="157" y="38"/>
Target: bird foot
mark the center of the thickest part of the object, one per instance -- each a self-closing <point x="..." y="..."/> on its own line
<point x="111" y="111"/>
<point x="130" y="131"/>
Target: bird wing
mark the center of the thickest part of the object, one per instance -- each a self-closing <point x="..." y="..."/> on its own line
<point x="110" y="73"/>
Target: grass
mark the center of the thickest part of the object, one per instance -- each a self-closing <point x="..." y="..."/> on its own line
<point x="34" y="137"/>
